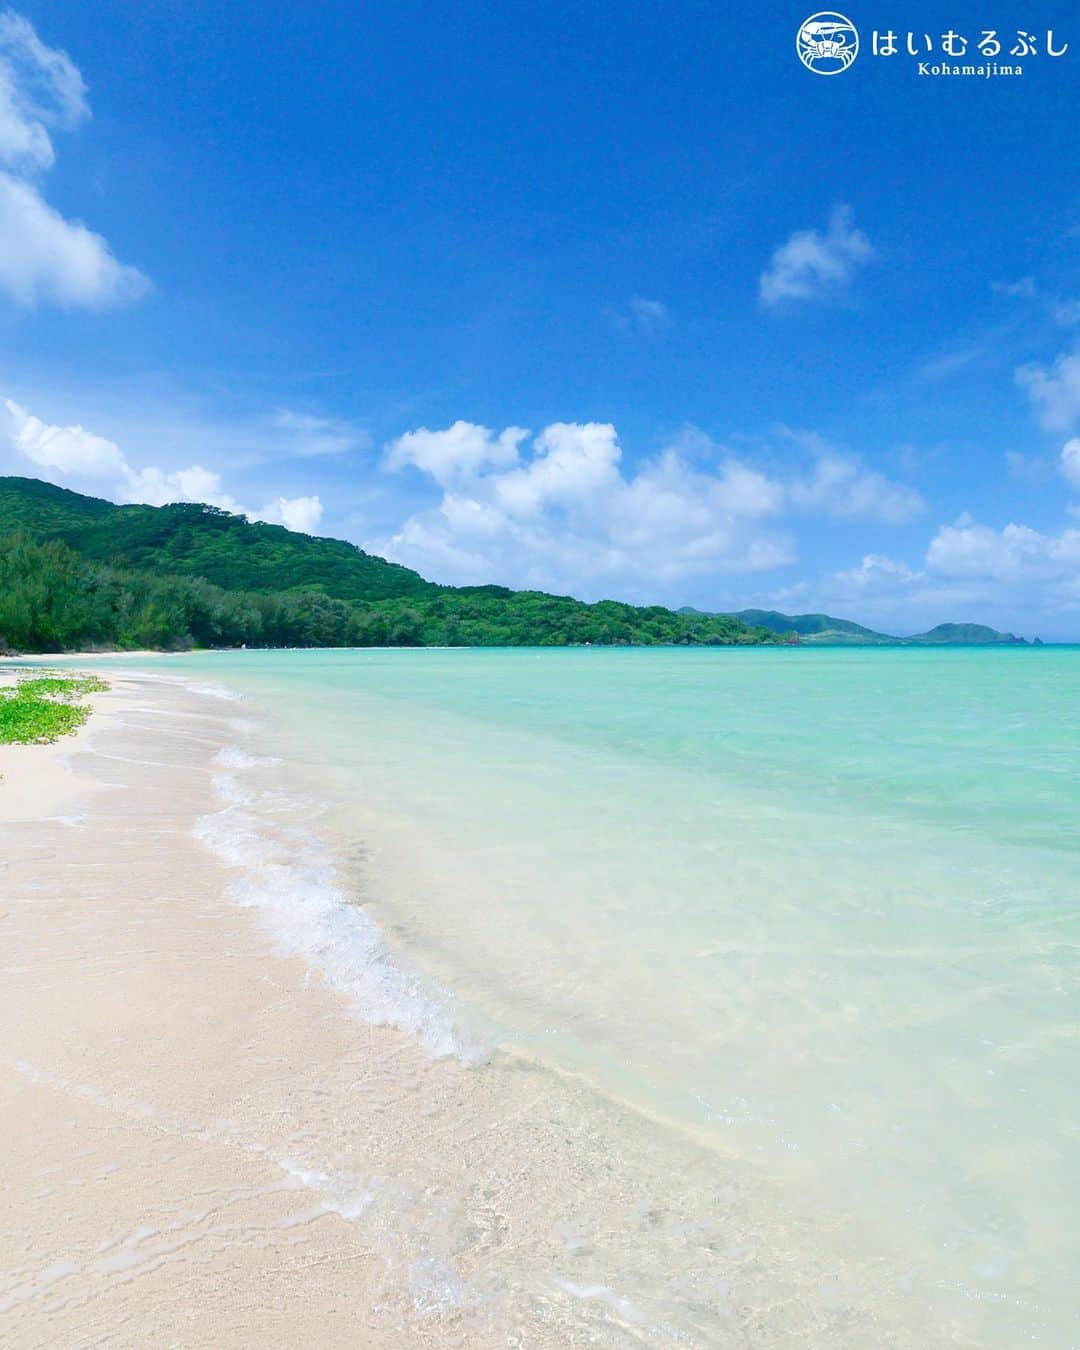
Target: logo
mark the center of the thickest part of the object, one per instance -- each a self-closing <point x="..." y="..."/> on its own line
<point x="827" y="43"/>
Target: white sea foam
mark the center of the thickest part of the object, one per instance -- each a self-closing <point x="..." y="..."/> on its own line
<point x="214" y="691"/>
<point x="233" y="757"/>
<point x="229" y="790"/>
<point x="289" y="878"/>
<point x="600" y="1293"/>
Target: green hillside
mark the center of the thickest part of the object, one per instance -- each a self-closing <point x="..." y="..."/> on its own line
<point x="191" y="540"/>
<point x="44" y="509"/>
<point x="77" y="572"/>
<point x="969" y="634"/>
<point x="824" y="629"/>
<point x="821" y="626"/>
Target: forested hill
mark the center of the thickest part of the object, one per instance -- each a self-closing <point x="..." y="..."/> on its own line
<point x="77" y="572"/>
<point x="191" y="540"/>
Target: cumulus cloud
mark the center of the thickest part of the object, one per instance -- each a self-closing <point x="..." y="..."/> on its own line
<point x="1016" y="552"/>
<point x="45" y="258"/>
<point x="561" y="509"/>
<point x="841" y="486"/>
<point x="1054" y="392"/>
<point x="564" y="514"/>
<point x="70" y="450"/>
<point x="72" y="456"/>
<point x="159" y="487"/>
<point x="301" y="514"/>
<point x="815" y="264"/>
<point x="876" y="571"/>
<point x="459" y="451"/>
<point x="970" y="571"/>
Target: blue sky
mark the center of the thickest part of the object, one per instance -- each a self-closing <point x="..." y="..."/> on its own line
<point x="610" y="300"/>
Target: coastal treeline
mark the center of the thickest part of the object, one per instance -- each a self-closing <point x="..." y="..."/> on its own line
<point x="54" y="599"/>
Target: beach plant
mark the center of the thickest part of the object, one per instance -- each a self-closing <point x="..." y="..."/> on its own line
<point x="41" y="709"/>
<point x="64" y="687"/>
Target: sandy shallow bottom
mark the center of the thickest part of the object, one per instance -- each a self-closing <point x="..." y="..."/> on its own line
<point x="202" y="1144"/>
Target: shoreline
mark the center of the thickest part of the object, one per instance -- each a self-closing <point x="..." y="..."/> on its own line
<point x="209" y="1146"/>
<point x="118" y="1168"/>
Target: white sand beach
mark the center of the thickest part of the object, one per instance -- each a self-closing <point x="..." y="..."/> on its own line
<point x="203" y="1144"/>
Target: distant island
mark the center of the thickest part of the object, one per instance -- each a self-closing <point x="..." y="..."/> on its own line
<point x="80" y="573"/>
<point x="825" y="630"/>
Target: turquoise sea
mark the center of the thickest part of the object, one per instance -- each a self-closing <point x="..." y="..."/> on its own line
<point x="819" y="908"/>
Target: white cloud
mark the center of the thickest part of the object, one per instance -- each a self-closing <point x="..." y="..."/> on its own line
<point x="564" y="512"/>
<point x="877" y="571"/>
<point x="70" y="450"/>
<point x="971" y="571"/>
<point x="459" y="451"/>
<point x="1015" y="553"/>
<point x="39" y="88"/>
<point x="302" y="514"/>
<point x="1015" y="578"/>
<point x="43" y="257"/>
<point x="566" y="515"/>
<point x="159" y="487"/>
<point x="73" y="456"/>
<point x="1055" y="393"/>
<point x="840" y="486"/>
<point x="309" y="436"/>
<point x="572" y="462"/>
<point x="816" y="265"/>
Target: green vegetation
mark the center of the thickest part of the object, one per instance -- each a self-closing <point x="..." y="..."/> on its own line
<point x="67" y="688"/>
<point x="966" y="633"/>
<point x="78" y="573"/>
<point x="824" y="629"/>
<point x="41" y="709"/>
<point x="191" y="540"/>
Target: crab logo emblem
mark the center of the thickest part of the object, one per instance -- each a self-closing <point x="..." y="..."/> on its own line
<point x="827" y="43"/>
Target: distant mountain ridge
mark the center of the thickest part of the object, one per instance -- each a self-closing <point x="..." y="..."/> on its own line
<point x="826" y="630"/>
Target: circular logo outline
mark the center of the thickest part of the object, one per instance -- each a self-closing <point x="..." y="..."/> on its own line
<point x="842" y="24"/>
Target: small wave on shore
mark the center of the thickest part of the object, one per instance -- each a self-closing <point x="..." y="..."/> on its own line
<point x="289" y="876"/>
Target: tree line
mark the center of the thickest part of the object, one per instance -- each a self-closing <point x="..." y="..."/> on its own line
<point x="54" y="599"/>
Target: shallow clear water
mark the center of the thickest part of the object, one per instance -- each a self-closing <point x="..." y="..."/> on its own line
<point x="819" y="907"/>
